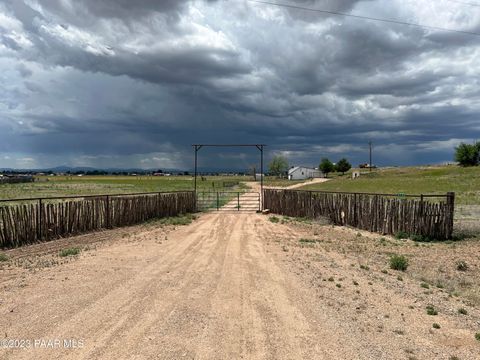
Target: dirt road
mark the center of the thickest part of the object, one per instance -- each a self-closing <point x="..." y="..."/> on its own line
<point x="227" y="286"/>
<point x="299" y="185"/>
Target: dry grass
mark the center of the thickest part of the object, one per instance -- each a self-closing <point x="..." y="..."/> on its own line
<point x="451" y="267"/>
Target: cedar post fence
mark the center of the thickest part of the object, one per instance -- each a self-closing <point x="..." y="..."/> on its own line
<point x="382" y="213"/>
<point x="26" y="221"/>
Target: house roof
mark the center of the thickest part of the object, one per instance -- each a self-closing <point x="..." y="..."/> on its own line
<point x="295" y="168"/>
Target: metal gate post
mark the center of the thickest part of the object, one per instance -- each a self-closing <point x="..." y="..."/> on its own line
<point x="261" y="179"/>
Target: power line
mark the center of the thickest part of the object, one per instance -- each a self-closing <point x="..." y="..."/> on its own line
<point x="464" y="3"/>
<point x="398" y="22"/>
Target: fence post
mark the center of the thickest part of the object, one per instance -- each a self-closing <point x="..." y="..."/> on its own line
<point x="218" y="202"/>
<point x="39" y="219"/>
<point x="451" y="213"/>
<point x="312" y="214"/>
<point x="107" y="209"/>
<point x="421" y="222"/>
<point x="355" y="216"/>
<point x="238" y="201"/>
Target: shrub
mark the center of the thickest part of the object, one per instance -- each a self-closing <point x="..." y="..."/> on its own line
<point x="436" y="326"/>
<point x="274" y="219"/>
<point x="477" y="336"/>
<point x="401" y="235"/>
<point x="69" y="252"/>
<point x="398" y="262"/>
<point x="462" y="311"/>
<point x="308" y="241"/>
<point x="3" y="257"/>
<point x="431" y="310"/>
<point x="425" y="285"/>
<point x="364" y="267"/>
<point x="462" y="265"/>
<point x="421" y="238"/>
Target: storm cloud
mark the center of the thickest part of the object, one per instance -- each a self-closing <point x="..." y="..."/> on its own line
<point x="134" y="84"/>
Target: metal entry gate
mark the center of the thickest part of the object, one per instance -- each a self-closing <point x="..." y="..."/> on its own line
<point x="228" y="201"/>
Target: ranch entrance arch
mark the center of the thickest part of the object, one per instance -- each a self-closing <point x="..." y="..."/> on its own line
<point x="260" y="147"/>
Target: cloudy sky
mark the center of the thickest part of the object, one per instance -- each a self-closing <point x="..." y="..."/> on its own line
<point x="119" y="83"/>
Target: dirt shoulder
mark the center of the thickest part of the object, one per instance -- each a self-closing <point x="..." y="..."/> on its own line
<point x="233" y="286"/>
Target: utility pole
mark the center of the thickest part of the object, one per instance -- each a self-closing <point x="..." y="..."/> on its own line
<point x="370" y="163"/>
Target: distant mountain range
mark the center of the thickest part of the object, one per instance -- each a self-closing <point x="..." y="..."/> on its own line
<point x="65" y="169"/>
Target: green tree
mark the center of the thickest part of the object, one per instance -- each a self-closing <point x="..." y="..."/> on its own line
<point x="326" y="166"/>
<point x="467" y="154"/>
<point x="278" y="166"/>
<point x="343" y="166"/>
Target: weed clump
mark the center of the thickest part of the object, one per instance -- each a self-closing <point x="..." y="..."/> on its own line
<point x="462" y="311"/>
<point x="308" y="241"/>
<point x="421" y="238"/>
<point x="398" y="262"/>
<point x="3" y="257"/>
<point x="274" y="219"/>
<point x="401" y="235"/>
<point x="436" y="326"/>
<point x="70" y="252"/>
<point x="431" y="310"/>
<point x="462" y="265"/>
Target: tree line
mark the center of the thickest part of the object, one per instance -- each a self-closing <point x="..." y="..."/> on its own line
<point x="279" y="166"/>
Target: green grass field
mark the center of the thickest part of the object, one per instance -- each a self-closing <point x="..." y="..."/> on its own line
<point x="52" y="186"/>
<point x="93" y="185"/>
<point x="465" y="182"/>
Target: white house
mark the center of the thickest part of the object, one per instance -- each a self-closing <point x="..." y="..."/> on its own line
<point x="302" y="173"/>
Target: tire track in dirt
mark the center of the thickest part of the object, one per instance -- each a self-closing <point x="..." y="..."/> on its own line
<point x="115" y="305"/>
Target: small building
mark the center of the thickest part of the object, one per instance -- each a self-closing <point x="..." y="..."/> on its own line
<point x="303" y="173"/>
<point x="259" y="176"/>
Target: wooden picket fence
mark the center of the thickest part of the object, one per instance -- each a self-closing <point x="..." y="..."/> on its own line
<point x="381" y="213"/>
<point x="26" y="221"/>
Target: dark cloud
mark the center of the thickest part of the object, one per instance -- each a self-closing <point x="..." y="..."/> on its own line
<point x="136" y="83"/>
